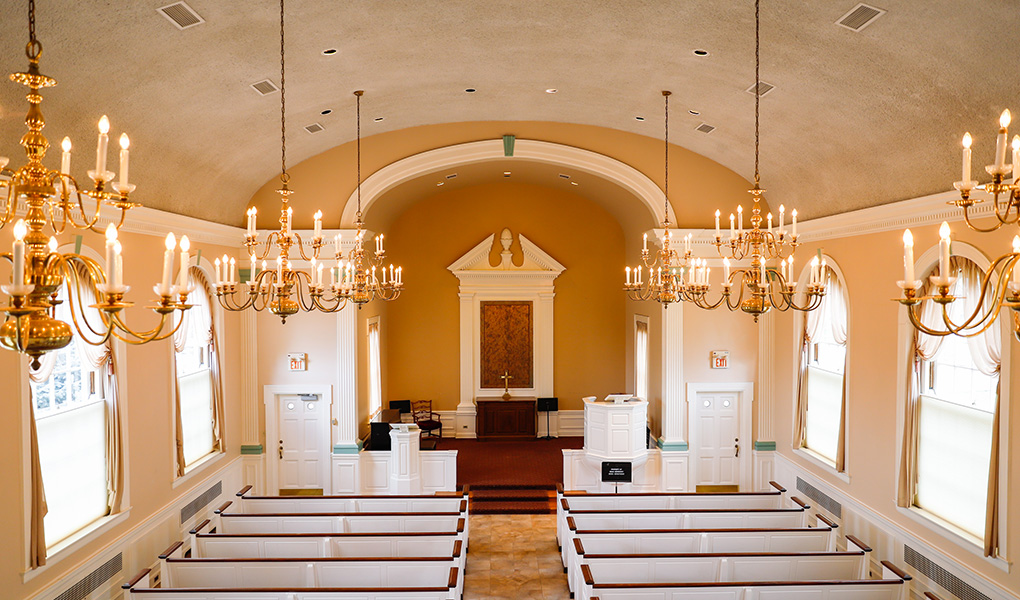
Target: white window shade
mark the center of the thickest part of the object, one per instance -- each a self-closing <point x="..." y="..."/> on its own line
<point x="196" y="414"/>
<point x="641" y="359"/>
<point x="825" y="397"/>
<point x="374" y="369"/>
<point x="72" y="455"/>
<point x="952" y="462"/>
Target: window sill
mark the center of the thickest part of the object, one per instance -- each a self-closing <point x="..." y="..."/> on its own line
<point x="821" y="462"/>
<point x="962" y="538"/>
<point x="75" y="542"/>
<point x="198" y="466"/>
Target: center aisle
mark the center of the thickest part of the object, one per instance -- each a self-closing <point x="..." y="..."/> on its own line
<point x="514" y="557"/>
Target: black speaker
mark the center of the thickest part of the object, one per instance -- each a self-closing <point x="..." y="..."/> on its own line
<point x="547" y="404"/>
<point x="403" y="405"/>
<point x="379" y="436"/>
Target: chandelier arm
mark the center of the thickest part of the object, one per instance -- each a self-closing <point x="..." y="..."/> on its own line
<point x="71" y="274"/>
<point x="1016" y="325"/>
<point x="971" y="225"/>
<point x="139" y="338"/>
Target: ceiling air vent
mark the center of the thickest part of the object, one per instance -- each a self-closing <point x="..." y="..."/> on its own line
<point x="763" y="88"/>
<point x="314" y="128"/>
<point x="265" y="87"/>
<point x="181" y="15"/>
<point x="705" y="128"/>
<point x="860" y="17"/>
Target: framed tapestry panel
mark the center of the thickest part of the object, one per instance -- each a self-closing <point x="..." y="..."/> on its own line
<point x="506" y="344"/>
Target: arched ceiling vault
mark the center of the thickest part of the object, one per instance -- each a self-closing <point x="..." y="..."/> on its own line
<point x="856" y="118"/>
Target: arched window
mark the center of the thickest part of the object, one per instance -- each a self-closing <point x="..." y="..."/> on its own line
<point x="198" y="397"/>
<point x="821" y="398"/>
<point x="641" y="356"/>
<point x="374" y="367"/>
<point x="77" y="430"/>
<point x="949" y="438"/>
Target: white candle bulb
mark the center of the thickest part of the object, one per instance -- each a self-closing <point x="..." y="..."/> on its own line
<point x="740" y="219"/>
<point x="770" y="222"/>
<point x="104" y="129"/>
<point x="726" y="270"/>
<point x="382" y="247"/>
<point x="20" y="231"/>
<point x="944" y="241"/>
<point x="1016" y="158"/>
<point x="219" y="273"/>
<point x="318" y="272"/>
<point x="644" y="246"/>
<point x="908" y="259"/>
<point x="118" y="265"/>
<point x="967" y="141"/>
<point x="182" y="277"/>
<point x="1016" y="265"/>
<point x="782" y="213"/>
<point x="168" y="264"/>
<point x="717" y="233"/>
<point x="793" y="227"/>
<point x="279" y="270"/>
<point x="318" y="224"/>
<point x="124" y="154"/>
<point x="111" y="241"/>
<point x="1000" y="140"/>
<point x="52" y="245"/>
<point x="65" y="156"/>
<point x="233" y="270"/>
<point x="251" y="274"/>
<point x="628" y="275"/>
<point x="733" y="231"/>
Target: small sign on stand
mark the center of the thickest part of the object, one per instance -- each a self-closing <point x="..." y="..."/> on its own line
<point x="617" y="473"/>
<point x="720" y="359"/>
<point x="297" y="361"/>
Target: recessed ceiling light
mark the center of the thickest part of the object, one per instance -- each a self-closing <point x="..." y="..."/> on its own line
<point x="694" y="112"/>
<point x="329" y="51"/>
<point x="377" y="119"/>
<point x="470" y="90"/>
<point x="551" y="90"/>
<point x="326" y="112"/>
<point x="700" y="52"/>
<point x="506" y="173"/>
<point x="573" y="183"/>
<point x="639" y="118"/>
<point x="438" y="183"/>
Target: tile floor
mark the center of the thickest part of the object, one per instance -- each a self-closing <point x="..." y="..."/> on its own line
<point x="514" y="557"/>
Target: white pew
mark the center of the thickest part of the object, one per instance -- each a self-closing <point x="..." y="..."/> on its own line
<point x="340" y="523"/>
<point x="380" y="545"/>
<point x="804" y="539"/>
<point x="250" y="504"/>
<point x="374" y="572"/>
<point x="139" y="589"/>
<point x="662" y="501"/>
<point x="782" y="518"/>
<point x="892" y="586"/>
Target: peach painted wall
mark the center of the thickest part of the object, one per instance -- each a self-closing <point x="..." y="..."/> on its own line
<point x="145" y="380"/>
<point x="871" y="265"/>
<point x="590" y="318"/>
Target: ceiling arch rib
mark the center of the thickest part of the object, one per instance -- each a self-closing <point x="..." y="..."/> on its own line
<point x="561" y="155"/>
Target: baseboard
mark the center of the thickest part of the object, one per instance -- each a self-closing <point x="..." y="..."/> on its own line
<point x="886" y="536"/>
<point x="140" y="544"/>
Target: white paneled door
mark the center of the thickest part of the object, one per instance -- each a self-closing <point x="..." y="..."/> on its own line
<point x="303" y="446"/>
<point x="717" y="438"/>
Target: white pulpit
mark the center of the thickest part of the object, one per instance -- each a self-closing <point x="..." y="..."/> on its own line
<point x="405" y="459"/>
<point x="615" y="430"/>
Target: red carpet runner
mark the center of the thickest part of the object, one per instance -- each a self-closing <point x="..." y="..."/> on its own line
<point x="511" y="477"/>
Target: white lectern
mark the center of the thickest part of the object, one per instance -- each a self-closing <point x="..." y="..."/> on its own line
<point x="615" y="430"/>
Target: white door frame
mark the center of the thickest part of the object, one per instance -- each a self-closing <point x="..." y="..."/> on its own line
<point x="271" y="396"/>
<point x="746" y="391"/>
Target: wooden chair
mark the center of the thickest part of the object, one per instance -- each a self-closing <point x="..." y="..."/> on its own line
<point x="427" y="420"/>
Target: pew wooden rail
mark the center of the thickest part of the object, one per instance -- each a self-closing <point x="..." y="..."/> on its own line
<point x="724" y="566"/>
<point x="894" y="585"/>
<point x="782" y="518"/>
<point x="350" y="545"/>
<point x="718" y="541"/>
<point x="334" y="572"/>
<point x="138" y="589"/>
<point x="448" y="502"/>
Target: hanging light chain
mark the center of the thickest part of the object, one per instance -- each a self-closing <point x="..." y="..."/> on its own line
<point x="665" y="212"/>
<point x="757" y="85"/>
<point x="283" y="104"/>
<point x="34" y="48"/>
<point x="357" y="95"/>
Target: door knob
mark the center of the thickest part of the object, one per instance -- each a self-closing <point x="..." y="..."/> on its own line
<point x="280" y="449"/>
<point x="736" y="447"/>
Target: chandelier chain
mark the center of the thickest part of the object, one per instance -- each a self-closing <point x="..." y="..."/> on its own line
<point x="358" y="96"/>
<point x="666" y="203"/>
<point x="283" y="103"/>
<point x="34" y="47"/>
<point x="757" y="85"/>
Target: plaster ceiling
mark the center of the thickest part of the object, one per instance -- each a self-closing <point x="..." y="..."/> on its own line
<point x="856" y="119"/>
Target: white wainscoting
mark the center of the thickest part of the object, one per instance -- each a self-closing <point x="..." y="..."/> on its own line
<point x="142" y="542"/>
<point x="764" y="470"/>
<point x="885" y="537"/>
<point x="369" y="472"/>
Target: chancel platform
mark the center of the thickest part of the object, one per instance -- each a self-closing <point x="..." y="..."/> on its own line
<point x="506" y="420"/>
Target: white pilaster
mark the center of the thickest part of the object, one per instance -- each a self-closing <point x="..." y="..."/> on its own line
<point x="405" y="459"/>
<point x="466" y="409"/>
<point x="673" y="409"/>
<point x="253" y="467"/>
<point x="766" y="376"/>
<point x="544" y="345"/>
<point x="345" y="411"/>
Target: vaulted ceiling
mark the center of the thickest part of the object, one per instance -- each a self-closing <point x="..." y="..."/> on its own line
<point x="857" y="118"/>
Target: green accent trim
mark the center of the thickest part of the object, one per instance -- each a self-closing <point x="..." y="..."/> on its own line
<point x="765" y="446"/>
<point x="674" y="446"/>
<point x="508" y="145"/>
<point x="77" y="244"/>
<point x="198" y="260"/>
<point x="244" y="274"/>
<point x="347" y="448"/>
<point x="251" y="448"/>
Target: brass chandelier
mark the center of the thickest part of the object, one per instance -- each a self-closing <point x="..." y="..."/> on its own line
<point x="55" y="201"/>
<point x="285" y="290"/>
<point x="1000" y="284"/>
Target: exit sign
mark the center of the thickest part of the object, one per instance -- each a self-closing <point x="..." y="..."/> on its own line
<point x="720" y="359"/>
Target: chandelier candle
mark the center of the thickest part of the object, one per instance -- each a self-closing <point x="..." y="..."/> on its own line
<point x="124" y="143"/>
<point x="168" y="265"/>
<point x="182" y="279"/>
<point x="967" y="141"/>
<point x="104" y="139"/>
<point x="908" y="260"/>
<point x="944" y="240"/>
<point x="20" y="230"/>
<point x="65" y="156"/>
<point x="111" y="241"/>
<point x="318" y="226"/>
<point x="1016" y="158"/>
<point x="1000" y="142"/>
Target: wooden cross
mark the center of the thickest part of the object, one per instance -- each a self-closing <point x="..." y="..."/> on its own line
<point x="506" y="377"/>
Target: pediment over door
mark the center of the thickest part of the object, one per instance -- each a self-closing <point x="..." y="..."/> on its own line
<point x="536" y="268"/>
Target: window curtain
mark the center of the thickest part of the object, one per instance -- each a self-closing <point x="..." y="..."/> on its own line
<point x="813" y="321"/>
<point x="37" y="531"/>
<point x="838" y="308"/>
<point x="180" y="338"/>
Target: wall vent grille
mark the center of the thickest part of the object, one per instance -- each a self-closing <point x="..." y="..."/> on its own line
<point x="925" y="566"/>
<point x="191" y="508"/>
<point x="93" y="580"/>
<point x="181" y="15"/>
<point x="763" y="88"/>
<point x="265" y="87"/>
<point x="820" y="498"/>
<point x="705" y="128"/>
<point x="860" y="17"/>
<point x="314" y="128"/>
